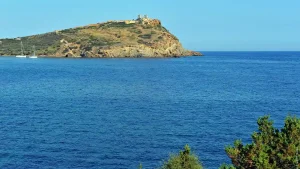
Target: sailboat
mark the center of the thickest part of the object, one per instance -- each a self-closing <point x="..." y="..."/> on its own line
<point x="22" y="52"/>
<point x="33" y="56"/>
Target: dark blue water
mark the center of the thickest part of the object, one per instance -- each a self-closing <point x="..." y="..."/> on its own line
<point x="118" y="113"/>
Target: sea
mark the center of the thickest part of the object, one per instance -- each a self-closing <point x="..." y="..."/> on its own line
<point x="122" y="112"/>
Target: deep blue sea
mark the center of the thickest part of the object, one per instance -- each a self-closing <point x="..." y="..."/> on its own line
<point x="118" y="113"/>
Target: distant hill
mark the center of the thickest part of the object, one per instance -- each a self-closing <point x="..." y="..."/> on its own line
<point x="142" y="37"/>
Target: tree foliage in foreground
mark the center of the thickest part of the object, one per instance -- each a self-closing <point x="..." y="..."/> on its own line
<point x="184" y="160"/>
<point x="270" y="148"/>
<point x="226" y="166"/>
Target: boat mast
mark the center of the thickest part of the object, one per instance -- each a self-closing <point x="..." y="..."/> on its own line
<point x="33" y="47"/>
<point x="22" y="50"/>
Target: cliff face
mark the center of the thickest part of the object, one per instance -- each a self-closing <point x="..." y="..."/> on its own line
<point x="137" y="38"/>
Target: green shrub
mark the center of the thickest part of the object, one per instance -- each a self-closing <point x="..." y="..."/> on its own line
<point x="119" y="25"/>
<point x="184" y="160"/>
<point x="145" y="36"/>
<point x="225" y="166"/>
<point x="138" y="31"/>
<point x="270" y="148"/>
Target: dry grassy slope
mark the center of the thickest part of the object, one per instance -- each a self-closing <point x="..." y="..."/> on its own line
<point x="110" y="39"/>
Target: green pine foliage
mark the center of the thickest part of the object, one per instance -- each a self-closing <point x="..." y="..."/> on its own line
<point x="184" y="160"/>
<point x="271" y="148"/>
<point x="226" y="166"/>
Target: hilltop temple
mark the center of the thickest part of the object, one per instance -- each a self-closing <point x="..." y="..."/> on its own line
<point x="142" y="19"/>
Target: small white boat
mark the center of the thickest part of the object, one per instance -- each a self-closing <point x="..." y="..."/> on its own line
<point x="22" y="52"/>
<point x="21" y="56"/>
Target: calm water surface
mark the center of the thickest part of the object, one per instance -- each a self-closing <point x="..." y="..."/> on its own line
<point x="117" y="113"/>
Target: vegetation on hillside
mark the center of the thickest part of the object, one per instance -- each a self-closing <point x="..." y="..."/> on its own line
<point x="86" y="37"/>
<point x="41" y="42"/>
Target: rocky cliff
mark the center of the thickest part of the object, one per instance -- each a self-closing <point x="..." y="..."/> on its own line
<point x="136" y="38"/>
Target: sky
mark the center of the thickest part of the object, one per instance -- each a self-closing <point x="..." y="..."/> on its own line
<point x="202" y="25"/>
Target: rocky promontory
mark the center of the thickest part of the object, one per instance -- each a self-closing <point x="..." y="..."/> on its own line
<point x="143" y="37"/>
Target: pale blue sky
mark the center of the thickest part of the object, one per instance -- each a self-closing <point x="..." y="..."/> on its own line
<point x="200" y="25"/>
